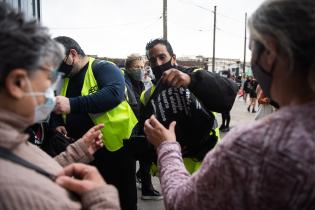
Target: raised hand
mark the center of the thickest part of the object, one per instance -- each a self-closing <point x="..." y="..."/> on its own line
<point x="157" y="133"/>
<point x="93" y="138"/>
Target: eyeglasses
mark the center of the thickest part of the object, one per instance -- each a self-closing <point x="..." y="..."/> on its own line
<point x="54" y="74"/>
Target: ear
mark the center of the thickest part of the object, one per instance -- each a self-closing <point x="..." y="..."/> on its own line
<point x="73" y="52"/>
<point x="174" y="59"/>
<point x="269" y="55"/>
<point x="16" y="84"/>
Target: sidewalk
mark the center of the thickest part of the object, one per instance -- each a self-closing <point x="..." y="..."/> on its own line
<point x="239" y="115"/>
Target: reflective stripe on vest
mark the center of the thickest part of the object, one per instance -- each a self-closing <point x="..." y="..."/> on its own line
<point x="118" y="122"/>
<point x="145" y="95"/>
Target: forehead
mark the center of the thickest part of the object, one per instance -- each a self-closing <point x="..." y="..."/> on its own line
<point x="138" y="62"/>
<point x="157" y="50"/>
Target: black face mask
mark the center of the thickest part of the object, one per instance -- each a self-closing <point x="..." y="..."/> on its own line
<point x="159" y="70"/>
<point x="263" y="77"/>
<point x="65" y="68"/>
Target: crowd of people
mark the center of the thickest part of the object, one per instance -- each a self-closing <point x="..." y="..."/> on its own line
<point x="102" y="119"/>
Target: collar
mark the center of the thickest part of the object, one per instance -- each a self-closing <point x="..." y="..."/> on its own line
<point x="11" y="129"/>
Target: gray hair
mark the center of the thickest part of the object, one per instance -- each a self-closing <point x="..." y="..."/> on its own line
<point x="292" y="24"/>
<point x="131" y="58"/>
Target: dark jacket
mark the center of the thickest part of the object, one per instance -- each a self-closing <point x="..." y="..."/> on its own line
<point x="134" y="90"/>
<point x="215" y="92"/>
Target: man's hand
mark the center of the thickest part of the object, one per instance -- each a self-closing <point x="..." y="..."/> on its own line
<point x="62" y="129"/>
<point x="176" y="78"/>
<point x="62" y="105"/>
<point x="157" y="133"/>
<point x="80" y="178"/>
<point x="93" y="138"/>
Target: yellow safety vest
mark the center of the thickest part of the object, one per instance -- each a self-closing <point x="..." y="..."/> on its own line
<point x="191" y="164"/>
<point x="118" y="122"/>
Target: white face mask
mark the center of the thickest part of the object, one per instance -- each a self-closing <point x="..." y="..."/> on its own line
<point x="42" y="111"/>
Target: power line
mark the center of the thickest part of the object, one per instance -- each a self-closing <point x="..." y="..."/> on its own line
<point x="230" y="33"/>
<point x="230" y="18"/>
<point x="206" y="30"/>
<point x="176" y="24"/>
<point x="209" y="10"/>
<point x="198" y="6"/>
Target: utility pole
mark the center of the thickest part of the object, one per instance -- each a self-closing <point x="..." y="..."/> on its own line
<point x="165" y="19"/>
<point x="214" y="28"/>
<point x="245" y="44"/>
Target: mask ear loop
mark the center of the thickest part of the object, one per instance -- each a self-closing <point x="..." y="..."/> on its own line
<point x="32" y="93"/>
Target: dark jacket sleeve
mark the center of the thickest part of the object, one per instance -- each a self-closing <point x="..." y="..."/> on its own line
<point x="111" y="91"/>
<point x="215" y="92"/>
<point x="55" y="120"/>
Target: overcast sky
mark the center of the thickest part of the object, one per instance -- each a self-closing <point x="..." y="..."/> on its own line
<point x="116" y="28"/>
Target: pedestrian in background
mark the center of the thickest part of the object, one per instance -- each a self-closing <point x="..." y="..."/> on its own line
<point x="138" y="146"/>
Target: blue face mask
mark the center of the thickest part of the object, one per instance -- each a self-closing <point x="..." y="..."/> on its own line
<point x="42" y="111"/>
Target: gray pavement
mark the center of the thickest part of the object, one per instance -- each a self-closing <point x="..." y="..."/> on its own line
<point x="239" y="115"/>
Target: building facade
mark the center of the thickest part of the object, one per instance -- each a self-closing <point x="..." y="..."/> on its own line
<point x="31" y="8"/>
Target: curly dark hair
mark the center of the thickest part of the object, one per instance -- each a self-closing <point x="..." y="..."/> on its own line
<point x="24" y="44"/>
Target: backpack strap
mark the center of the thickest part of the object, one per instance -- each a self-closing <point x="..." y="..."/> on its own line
<point x="8" y="155"/>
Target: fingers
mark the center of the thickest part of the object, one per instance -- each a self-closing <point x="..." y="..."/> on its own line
<point x="176" y="78"/>
<point x="99" y="143"/>
<point x="154" y="122"/>
<point x="94" y="132"/>
<point x="147" y="125"/>
<point x="172" y="127"/>
<point x="62" y="129"/>
<point x="78" y="170"/>
<point x="62" y="105"/>
<point x="97" y="127"/>
<point x="69" y="183"/>
<point x="95" y="135"/>
<point x="169" y="76"/>
<point x="80" y="178"/>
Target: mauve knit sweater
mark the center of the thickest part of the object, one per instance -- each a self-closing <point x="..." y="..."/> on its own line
<point x="268" y="164"/>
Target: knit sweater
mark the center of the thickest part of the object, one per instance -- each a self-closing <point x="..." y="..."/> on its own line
<point x="268" y="164"/>
<point x="23" y="188"/>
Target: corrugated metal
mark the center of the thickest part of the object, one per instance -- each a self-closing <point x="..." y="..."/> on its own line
<point x="31" y="8"/>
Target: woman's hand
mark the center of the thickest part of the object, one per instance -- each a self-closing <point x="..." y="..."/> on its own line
<point x="157" y="133"/>
<point x="93" y="138"/>
<point x="80" y="178"/>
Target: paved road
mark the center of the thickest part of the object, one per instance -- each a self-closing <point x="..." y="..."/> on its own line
<point x="239" y="115"/>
